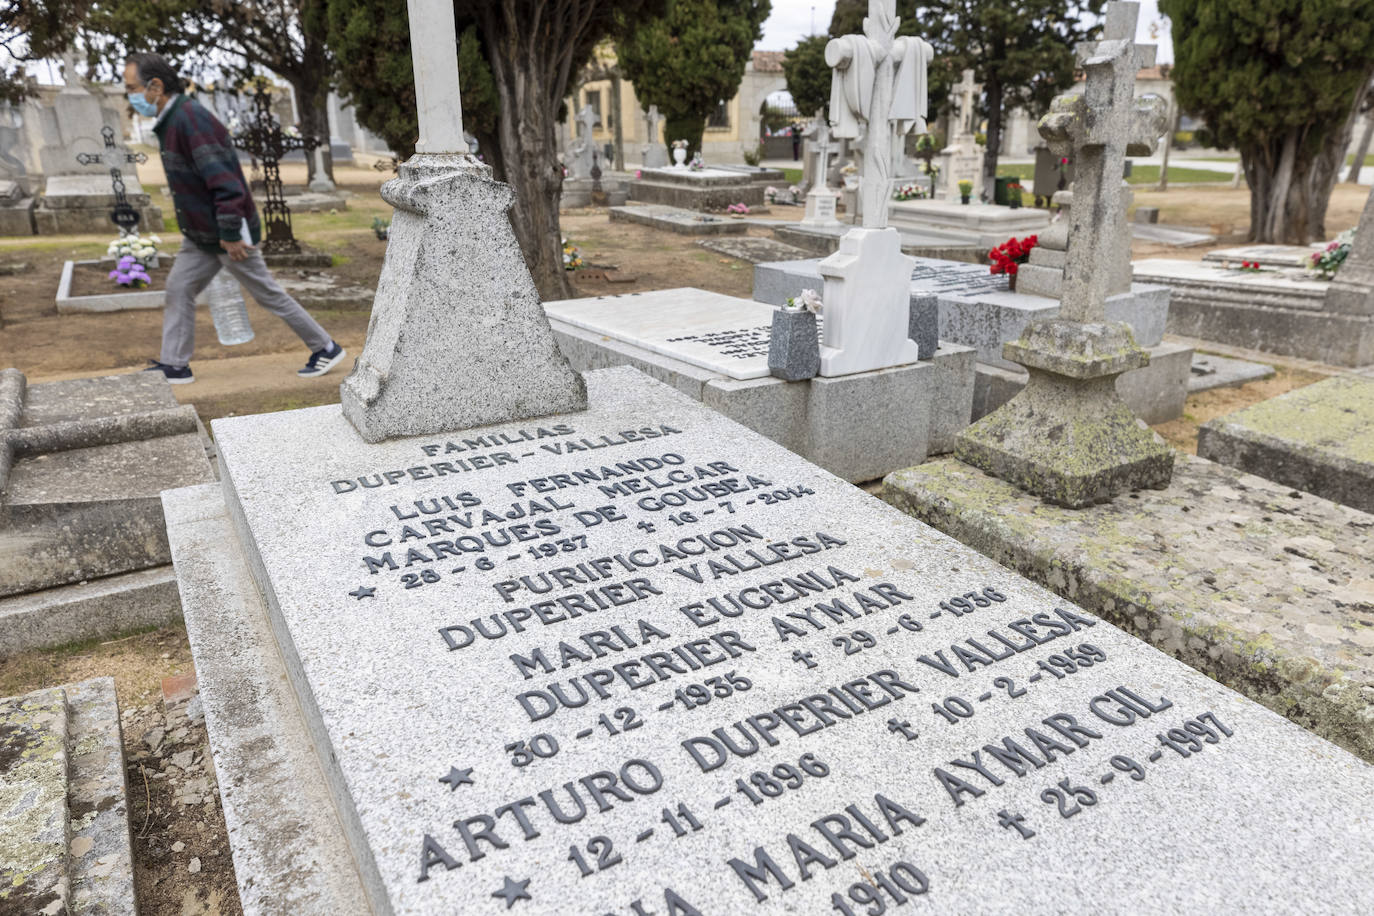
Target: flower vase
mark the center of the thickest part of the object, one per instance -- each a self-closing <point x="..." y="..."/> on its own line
<point x="1011" y="283"/>
<point x="963" y="199"/>
<point x="1014" y="202"/>
<point x="794" y="349"/>
<point x="679" y="157"/>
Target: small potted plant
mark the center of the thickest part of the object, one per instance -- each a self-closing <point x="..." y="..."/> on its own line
<point x="965" y="190"/>
<point x="1008" y="257"/>
<point x="381" y="228"/>
<point x="794" y="349"/>
<point x="850" y="176"/>
<point x="770" y="194"/>
<point x="697" y="163"/>
<point x="130" y="273"/>
<point x="909" y="192"/>
<point x="1014" y="195"/>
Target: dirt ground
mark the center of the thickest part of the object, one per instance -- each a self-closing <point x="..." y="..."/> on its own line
<point x="182" y="864"/>
<point x="182" y="855"/>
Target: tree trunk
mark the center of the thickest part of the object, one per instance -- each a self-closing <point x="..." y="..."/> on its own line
<point x="312" y="101"/>
<point x="1291" y="184"/>
<point x="529" y="98"/>
<point x="993" y="88"/>
<point x="618" y="130"/>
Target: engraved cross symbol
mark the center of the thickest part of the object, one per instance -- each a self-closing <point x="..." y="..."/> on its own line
<point x="1007" y="819"/>
<point x="807" y="658"/>
<point x="903" y="728"/>
<point x="1098" y="127"/>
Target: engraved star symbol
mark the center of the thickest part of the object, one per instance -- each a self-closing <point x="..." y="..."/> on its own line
<point x="513" y="891"/>
<point x="364" y="591"/>
<point x="457" y="777"/>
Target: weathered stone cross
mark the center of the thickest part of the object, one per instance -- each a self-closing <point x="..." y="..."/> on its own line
<point x="653" y="117"/>
<point x="1098" y="128"/>
<point x="587" y="117"/>
<point x="878" y="79"/>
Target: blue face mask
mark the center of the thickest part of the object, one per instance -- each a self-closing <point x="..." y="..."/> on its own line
<point x="142" y="106"/>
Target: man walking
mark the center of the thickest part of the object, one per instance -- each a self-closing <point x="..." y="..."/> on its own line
<point x="217" y="217"/>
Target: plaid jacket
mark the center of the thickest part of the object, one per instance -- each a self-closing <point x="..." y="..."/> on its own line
<point x="208" y="188"/>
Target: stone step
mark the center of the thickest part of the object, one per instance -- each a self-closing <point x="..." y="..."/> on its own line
<point x="64" y="822"/>
<point x="101" y="608"/>
<point x="101" y="862"/>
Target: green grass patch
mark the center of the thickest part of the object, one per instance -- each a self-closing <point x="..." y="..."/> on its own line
<point x="792" y="176"/>
<point x="1140" y="174"/>
<point x="1350" y="159"/>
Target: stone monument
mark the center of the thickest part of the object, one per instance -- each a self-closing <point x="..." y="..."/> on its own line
<point x="878" y="78"/>
<point x="820" y="200"/>
<point x="584" y="151"/>
<point x="455" y="304"/>
<point x="1068" y="437"/>
<point x="654" y="153"/>
<point x="961" y="160"/>
<point x="122" y="214"/>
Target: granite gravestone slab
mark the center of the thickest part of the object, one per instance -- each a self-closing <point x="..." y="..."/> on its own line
<point x="640" y="660"/>
<point x="722" y="333"/>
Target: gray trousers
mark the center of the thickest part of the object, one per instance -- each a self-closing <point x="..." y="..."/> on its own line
<point x="193" y="270"/>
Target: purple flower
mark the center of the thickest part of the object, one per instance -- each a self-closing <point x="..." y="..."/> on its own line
<point x="115" y="273"/>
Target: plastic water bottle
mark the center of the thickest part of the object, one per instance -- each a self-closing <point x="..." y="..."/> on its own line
<point x="229" y="311"/>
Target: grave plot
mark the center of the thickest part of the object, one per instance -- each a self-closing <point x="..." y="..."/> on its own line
<point x="656" y="662"/>
<point x="83" y="548"/>
<point x="1319" y="439"/>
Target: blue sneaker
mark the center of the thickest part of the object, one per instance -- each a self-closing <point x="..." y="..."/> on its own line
<point x="175" y="375"/>
<point x="321" y="361"/>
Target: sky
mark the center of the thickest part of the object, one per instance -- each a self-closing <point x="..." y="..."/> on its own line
<point x="792" y="20"/>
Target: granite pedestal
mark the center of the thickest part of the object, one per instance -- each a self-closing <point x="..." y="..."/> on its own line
<point x="1318" y="439"/>
<point x="709" y="189"/>
<point x="471" y="770"/>
<point x="976" y="310"/>
<point x="77" y="204"/>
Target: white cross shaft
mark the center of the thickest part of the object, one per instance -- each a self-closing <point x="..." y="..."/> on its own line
<point x="434" y="51"/>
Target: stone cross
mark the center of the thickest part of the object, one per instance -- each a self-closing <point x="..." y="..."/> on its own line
<point x="878" y="78"/>
<point x="1095" y="128"/>
<point x="587" y="117"/>
<point x="967" y="89"/>
<point x="655" y="154"/>
<point x="820" y="148"/>
<point x="433" y="51"/>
